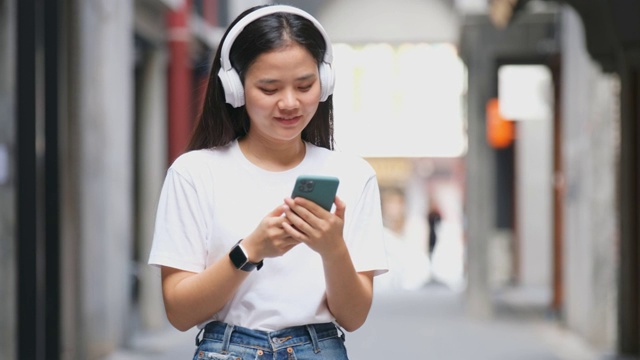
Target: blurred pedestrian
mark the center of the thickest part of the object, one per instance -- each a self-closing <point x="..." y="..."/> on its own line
<point x="258" y="272"/>
<point x="433" y="218"/>
<point x="393" y="209"/>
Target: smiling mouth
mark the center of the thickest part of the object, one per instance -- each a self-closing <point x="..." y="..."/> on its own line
<point x="289" y="119"/>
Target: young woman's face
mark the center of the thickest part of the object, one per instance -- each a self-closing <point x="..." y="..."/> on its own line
<point x="282" y="93"/>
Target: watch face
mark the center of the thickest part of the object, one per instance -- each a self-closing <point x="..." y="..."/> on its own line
<point x="238" y="257"/>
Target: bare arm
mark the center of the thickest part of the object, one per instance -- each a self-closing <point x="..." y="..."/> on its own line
<point x="349" y="293"/>
<point x="192" y="298"/>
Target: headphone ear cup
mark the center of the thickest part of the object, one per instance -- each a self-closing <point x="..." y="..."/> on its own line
<point x="327" y="80"/>
<point x="232" y="85"/>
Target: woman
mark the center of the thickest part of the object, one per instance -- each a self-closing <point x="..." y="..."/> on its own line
<point x="259" y="272"/>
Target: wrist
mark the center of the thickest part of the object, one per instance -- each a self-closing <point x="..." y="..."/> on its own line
<point x="336" y="253"/>
<point x="250" y="248"/>
<point x="240" y="258"/>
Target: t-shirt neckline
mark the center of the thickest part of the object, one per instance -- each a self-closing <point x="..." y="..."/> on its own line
<point x="246" y="163"/>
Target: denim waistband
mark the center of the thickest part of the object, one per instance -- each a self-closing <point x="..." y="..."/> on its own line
<point x="269" y="340"/>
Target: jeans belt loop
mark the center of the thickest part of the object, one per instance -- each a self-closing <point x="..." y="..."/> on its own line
<point x="227" y="338"/>
<point x="314" y="338"/>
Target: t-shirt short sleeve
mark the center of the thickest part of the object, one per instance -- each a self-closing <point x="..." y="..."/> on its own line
<point x="179" y="239"/>
<point x="365" y="234"/>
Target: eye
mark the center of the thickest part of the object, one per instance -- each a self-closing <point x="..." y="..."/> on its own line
<point x="268" y="91"/>
<point x="305" y="87"/>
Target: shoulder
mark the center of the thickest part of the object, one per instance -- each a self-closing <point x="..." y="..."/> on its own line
<point x="191" y="161"/>
<point x="196" y="162"/>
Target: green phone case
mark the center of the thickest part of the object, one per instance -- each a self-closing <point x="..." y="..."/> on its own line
<point x="319" y="189"/>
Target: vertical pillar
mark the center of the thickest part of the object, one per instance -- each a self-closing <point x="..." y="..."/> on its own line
<point x="180" y="81"/>
<point x="152" y="166"/>
<point x="624" y="18"/>
<point x="480" y="165"/>
<point x="629" y="287"/>
<point x="8" y="185"/>
<point x="38" y="265"/>
<point x="30" y="312"/>
<point x="51" y="207"/>
<point x="557" y="300"/>
<point x="99" y="152"/>
<point x="210" y="12"/>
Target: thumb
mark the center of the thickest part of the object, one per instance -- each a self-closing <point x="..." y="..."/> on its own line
<point x="277" y="211"/>
<point x="340" y="207"/>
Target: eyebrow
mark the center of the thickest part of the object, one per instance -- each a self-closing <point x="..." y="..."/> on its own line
<point x="273" y="81"/>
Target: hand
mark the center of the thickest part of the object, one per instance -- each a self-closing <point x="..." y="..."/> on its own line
<point x="269" y="239"/>
<point x="309" y="223"/>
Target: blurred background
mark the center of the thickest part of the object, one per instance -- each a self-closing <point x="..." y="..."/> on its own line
<point x="503" y="132"/>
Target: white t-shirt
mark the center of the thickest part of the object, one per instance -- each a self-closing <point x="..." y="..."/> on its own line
<point x="213" y="198"/>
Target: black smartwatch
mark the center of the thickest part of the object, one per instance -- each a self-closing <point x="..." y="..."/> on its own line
<point x="240" y="259"/>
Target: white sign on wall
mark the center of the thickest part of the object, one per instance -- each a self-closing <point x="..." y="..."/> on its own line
<point x="525" y="92"/>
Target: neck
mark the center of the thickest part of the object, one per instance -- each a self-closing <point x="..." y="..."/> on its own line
<point x="273" y="156"/>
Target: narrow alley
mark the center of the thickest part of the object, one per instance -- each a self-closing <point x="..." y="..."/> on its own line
<point x="503" y="135"/>
<point x="429" y="323"/>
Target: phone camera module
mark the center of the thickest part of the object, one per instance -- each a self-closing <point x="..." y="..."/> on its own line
<point x="306" y="186"/>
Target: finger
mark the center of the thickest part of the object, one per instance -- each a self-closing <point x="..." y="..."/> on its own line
<point x="292" y="241"/>
<point x="340" y="208"/>
<point x="293" y="232"/>
<point x="303" y="220"/>
<point x="293" y="219"/>
<point x="283" y="217"/>
<point x="277" y="211"/>
<point x="306" y="209"/>
<point x="288" y="214"/>
<point x="293" y="210"/>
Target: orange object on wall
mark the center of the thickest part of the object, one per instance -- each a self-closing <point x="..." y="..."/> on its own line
<point x="500" y="131"/>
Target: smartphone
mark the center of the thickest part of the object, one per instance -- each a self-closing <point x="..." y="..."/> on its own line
<point x="319" y="189"/>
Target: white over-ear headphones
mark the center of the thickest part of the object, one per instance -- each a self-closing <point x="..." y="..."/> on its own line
<point x="233" y="89"/>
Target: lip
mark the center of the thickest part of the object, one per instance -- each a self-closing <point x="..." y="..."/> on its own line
<point x="288" y="120"/>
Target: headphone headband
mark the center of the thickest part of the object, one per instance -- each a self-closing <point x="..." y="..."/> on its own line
<point x="264" y="11"/>
<point x="234" y="91"/>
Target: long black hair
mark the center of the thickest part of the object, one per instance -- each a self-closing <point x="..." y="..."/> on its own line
<point x="219" y="123"/>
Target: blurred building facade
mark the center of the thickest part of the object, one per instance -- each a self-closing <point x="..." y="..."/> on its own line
<point x="98" y="97"/>
<point x="589" y="177"/>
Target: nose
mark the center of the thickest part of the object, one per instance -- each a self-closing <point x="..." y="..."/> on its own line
<point x="289" y="100"/>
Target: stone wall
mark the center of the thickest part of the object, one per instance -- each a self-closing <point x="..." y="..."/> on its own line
<point x="590" y="138"/>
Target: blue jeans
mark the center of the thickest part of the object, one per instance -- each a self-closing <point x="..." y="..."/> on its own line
<point x="223" y="341"/>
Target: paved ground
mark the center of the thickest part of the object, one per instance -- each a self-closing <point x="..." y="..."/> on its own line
<point x="422" y="324"/>
<point x="431" y="324"/>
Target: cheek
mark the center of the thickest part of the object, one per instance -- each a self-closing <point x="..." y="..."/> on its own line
<point x="257" y="103"/>
<point x="311" y="99"/>
<point x="313" y="108"/>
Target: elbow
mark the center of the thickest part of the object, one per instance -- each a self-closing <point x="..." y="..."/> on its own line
<point x="352" y="319"/>
<point x="181" y="327"/>
<point x="351" y="328"/>
<point x="352" y="325"/>
<point x="179" y="322"/>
